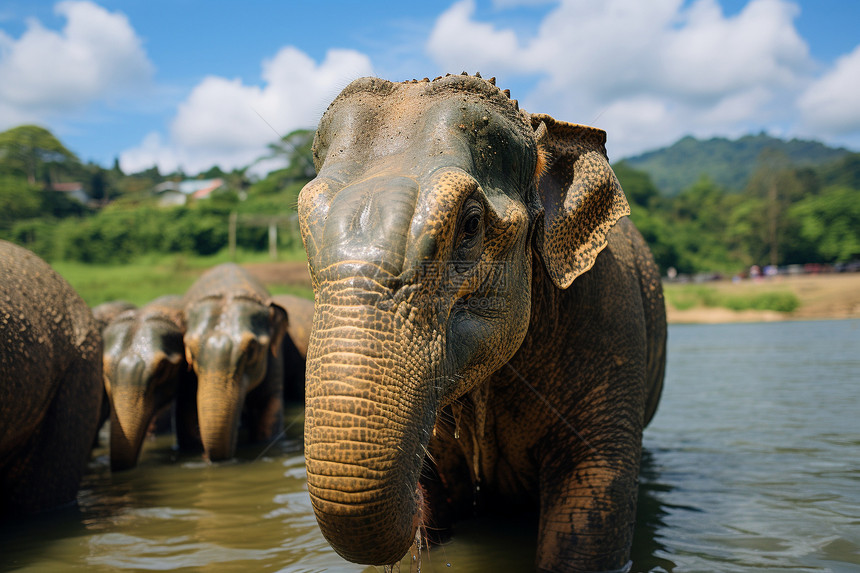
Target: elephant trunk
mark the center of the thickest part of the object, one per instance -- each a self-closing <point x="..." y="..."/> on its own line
<point x="219" y="405"/>
<point x="369" y="412"/>
<point x="128" y="427"/>
<point x="130" y="414"/>
<point x="220" y="396"/>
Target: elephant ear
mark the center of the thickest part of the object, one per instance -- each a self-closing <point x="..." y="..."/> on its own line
<point x="581" y="197"/>
<point x="278" y="321"/>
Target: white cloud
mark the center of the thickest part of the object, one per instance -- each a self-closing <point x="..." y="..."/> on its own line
<point x="832" y="104"/>
<point x="458" y="42"/>
<point x="96" y="56"/>
<point x="229" y="123"/>
<point x="649" y="72"/>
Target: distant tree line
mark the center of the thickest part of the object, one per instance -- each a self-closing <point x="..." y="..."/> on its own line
<point x="124" y="220"/>
<point x="783" y="215"/>
<point x="786" y="211"/>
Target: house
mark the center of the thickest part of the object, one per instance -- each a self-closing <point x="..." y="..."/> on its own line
<point x="73" y="190"/>
<point x="173" y="193"/>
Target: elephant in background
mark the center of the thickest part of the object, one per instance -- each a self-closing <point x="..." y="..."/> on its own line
<point x="144" y="373"/>
<point x="486" y="319"/>
<point x="104" y="313"/>
<point x="233" y="335"/>
<point x="50" y="384"/>
<point x="300" y="314"/>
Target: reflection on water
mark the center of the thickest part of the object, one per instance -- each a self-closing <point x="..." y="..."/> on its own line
<point x="752" y="463"/>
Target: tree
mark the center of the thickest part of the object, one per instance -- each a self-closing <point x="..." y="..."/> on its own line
<point x="18" y="200"/>
<point x="31" y="150"/>
<point x="831" y="221"/>
<point x="638" y="185"/>
<point x="779" y="186"/>
<point x="295" y="148"/>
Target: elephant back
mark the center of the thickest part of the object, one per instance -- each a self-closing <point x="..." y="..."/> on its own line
<point x="41" y="302"/>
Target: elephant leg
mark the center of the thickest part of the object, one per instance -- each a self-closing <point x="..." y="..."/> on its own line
<point x="588" y="512"/>
<point x="49" y="467"/>
<point x="264" y="405"/>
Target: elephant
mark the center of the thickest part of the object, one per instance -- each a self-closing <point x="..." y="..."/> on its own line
<point x="104" y="313"/>
<point x="144" y="373"/>
<point x="107" y="311"/>
<point x="50" y="384"/>
<point x="300" y="315"/>
<point x="489" y="327"/>
<point x="233" y="333"/>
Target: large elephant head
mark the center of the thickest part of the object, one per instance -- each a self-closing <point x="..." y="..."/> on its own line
<point x="144" y="362"/>
<point x="420" y="230"/>
<point x="232" y="329"/>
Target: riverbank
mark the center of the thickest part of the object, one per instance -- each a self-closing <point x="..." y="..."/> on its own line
<point x="809" y="297"/>
<point x="820" y="297"/>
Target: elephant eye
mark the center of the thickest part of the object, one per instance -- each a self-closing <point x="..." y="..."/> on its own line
<point x="472" y="224"/>
<point x="470" y="236"/>
<point x="253" y="350"/>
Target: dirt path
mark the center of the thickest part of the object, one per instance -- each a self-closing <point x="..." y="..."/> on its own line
<point x="291" y="273"/>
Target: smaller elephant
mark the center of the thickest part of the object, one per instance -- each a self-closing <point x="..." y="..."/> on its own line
<point x="104" y="314"/>
<point x="300" y="312"/>
<point x="232" y="341"/>
<point x="144" y="372"/>
<point x="107" y="311"/>
<point x="50" y="384"/>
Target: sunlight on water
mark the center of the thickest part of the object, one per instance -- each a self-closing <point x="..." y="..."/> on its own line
<point x="752" y="463"/>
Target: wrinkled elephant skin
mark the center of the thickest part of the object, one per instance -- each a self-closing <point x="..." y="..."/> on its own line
<point x="485" y="315"/>
<point x="105" y="313"/>
<point x="144" y="370"/>
<point x="50" y="384"/>
<point x="232" y="341"/>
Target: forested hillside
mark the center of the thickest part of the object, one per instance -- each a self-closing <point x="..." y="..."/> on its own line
<point x="785" y="214"/>
<point x="728" y="163"/>
<point x="789" y="203"/>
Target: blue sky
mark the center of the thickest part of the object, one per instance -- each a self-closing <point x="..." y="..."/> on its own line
<point x="191" y="83"/>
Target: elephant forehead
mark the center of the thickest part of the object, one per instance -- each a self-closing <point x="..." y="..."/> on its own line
<point x="420" y="131"/>
<point x="161" y="333"/>
<point x="118" y="334"/>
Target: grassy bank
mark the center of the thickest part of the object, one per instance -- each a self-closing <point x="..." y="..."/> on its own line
<point x="150" y="277"/>
<point x="801" y="297"/>
<point x="688" y="296"/>
<point x="804" y="297"/>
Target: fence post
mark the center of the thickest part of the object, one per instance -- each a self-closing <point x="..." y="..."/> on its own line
<point x="273" y="241"/>
<point x="231" y="233"/>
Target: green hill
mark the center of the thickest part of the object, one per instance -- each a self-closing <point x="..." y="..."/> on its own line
<point x="727" y="163"/>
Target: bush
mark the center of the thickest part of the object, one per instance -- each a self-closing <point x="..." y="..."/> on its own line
<point x="687" y="297"/>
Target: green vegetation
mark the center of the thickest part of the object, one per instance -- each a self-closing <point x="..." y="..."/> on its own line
<point x="150" y="277"/>
<point x="124" y="219"/>
<point x="687" y="296"/>
<point x="784" y="215"/>
<point x="729" y="164"/>
<point x="703" y="206"/>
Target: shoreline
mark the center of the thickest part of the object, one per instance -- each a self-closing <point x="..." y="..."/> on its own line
<point x="822" y="297"/>
<point x="727" y="316"/>
<point x="831" y="296"/>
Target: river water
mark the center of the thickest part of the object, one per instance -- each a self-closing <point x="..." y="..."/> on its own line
<point x="751" y="464"/>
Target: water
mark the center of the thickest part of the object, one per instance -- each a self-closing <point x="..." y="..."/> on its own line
<point x="751" y="464"/>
